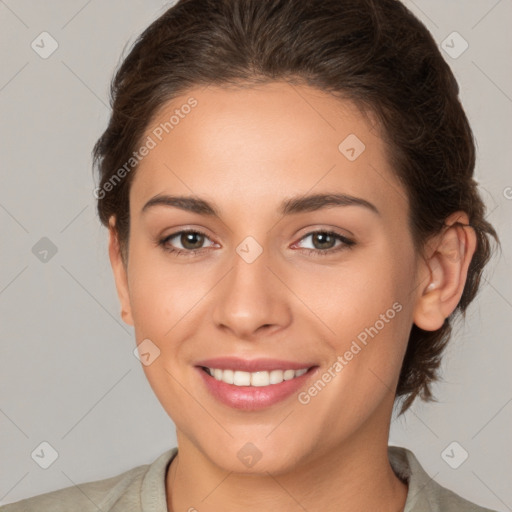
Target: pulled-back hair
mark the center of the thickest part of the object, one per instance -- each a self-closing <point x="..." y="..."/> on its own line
<point x="372" y="52"/>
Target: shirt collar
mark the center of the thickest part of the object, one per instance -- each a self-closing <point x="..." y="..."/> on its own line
<point x="152" y="494"/>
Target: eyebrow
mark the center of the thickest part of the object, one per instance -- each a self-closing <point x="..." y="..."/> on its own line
<point x="293" y="205"/>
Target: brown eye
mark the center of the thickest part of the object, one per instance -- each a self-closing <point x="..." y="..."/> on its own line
<point x="184" y="243"/>
<point x="192" y="241"/>
<point x="325" y="243"/>
<point x="323" y="240"/>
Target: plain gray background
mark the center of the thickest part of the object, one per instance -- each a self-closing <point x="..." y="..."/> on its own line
<point x="68" y="375"/>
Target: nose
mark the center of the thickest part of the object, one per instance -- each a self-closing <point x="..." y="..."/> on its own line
<point x="252" y="300"/>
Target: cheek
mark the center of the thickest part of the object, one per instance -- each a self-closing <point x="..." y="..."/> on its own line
<point x="367" y="307"/>
<point x="352" y="296"/>
<point x="162" y="298"/>
<point x="162" y="293"/>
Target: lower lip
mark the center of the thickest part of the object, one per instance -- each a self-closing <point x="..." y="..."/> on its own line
<point x="252" y="398"/>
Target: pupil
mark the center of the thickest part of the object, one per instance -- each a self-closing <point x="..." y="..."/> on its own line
<point x="325" y="240"/>
<point x="192" y="240"/>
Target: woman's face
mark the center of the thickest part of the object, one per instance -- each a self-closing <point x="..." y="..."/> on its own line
<point x="260" y="171"/>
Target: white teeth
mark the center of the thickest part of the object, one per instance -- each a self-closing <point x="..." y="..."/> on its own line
<point x="227" y="376"/>
<point x="240" y="378"/>
<point x="256" y="379"/>
<point x="276" y="376"/>
<point x="288" y="374"/>
<point x="260" y="379"/>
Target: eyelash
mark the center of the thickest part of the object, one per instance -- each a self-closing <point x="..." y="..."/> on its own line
<point x="346" y="243"/>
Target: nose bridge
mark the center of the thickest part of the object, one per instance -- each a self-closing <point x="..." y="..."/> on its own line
<point x="250" y="296"/>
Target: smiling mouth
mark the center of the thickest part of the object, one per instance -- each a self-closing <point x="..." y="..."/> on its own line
<point x="254" y="379"/>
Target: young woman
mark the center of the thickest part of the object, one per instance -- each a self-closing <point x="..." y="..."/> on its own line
<point x="293" y="226"/>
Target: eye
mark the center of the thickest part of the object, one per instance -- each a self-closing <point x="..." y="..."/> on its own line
<point x="189" y="242"/>
<point x="324" y="242"/>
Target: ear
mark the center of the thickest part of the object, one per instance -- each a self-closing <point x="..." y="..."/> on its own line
<point x="120" y="272"/>
<point x="444" y="274"/>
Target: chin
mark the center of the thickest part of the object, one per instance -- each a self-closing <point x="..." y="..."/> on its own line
<point x="258" y="456"/>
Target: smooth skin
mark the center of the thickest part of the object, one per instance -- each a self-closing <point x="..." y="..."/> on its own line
<point x="245" y="151"/>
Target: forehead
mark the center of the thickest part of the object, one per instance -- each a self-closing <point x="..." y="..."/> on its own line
<point x="262" y="143"/>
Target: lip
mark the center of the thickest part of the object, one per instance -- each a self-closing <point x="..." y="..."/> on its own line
<point x="253" y="365"/>
<point x="253" y="398"/>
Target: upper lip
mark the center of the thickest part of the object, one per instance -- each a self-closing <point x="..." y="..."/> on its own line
<point x="252" y="365"/>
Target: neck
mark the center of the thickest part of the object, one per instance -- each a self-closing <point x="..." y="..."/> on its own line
<point x="354" y="476"/>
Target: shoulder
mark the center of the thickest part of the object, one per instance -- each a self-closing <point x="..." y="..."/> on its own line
<point x="425" y="494"/>
<point x="123" y="492"/>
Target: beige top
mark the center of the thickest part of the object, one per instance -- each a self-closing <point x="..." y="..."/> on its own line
<point x="142" y="489"/>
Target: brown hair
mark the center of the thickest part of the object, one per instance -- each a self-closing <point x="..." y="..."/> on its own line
<point x="375" y="53"/>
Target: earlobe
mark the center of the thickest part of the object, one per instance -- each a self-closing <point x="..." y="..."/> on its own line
<point x="447" y="263"/>
<point x="120" y="273"/>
